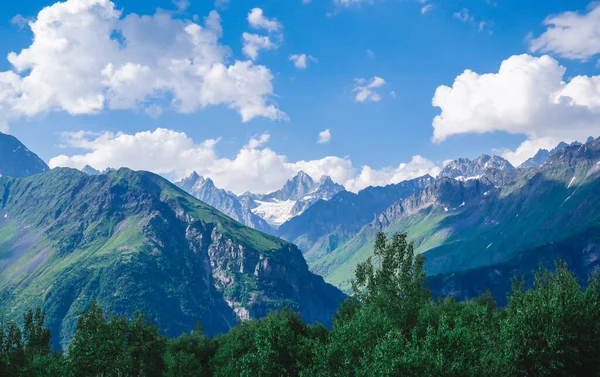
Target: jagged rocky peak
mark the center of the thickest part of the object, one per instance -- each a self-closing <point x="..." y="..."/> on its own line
<point x="328" y="187"/>
<point x="544" y="155"/>
<point x="297" y="195"/>
<point x="296" y="188"/>
<point x="464" y="169"/>
<point x="188" y="183"/>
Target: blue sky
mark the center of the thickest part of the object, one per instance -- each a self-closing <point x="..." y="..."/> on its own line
<point x="414" y="53"/>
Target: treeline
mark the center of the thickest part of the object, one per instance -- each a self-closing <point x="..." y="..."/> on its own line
<point x="390" y="327"/>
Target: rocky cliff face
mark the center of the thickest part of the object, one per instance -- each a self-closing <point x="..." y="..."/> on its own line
<point x="131" y="240"/>
<point x="446" y="193"/>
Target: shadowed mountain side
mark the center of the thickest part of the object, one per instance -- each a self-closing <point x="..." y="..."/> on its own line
<point x="581" y="252"/>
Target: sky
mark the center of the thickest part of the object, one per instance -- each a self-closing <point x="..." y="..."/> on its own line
<point x="249" y="92"/>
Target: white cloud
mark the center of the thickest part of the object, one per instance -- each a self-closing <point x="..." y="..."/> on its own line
<point x="257" y="141"/>
<point x="221" y="4"/>
<point x="427" y="8"/>
<point x="417" y="167"/>
<point x="347" y="3"/>
<point x="253" y="43"/>
<point x="255" y="168"/>
<point x="301" y="60"/>
<point x="182" y="5"/>
<point x="86" y="57"/>
<point x="20" y="20"/>
<point x="463" y="15"/>
<point x="529" y="148"/>
<point x="366" y="90"/>
<point x="324" y="137"/>
<point x="571" y="35"/>
<point x="529" y="96"/>
<point x="257" y="20"/>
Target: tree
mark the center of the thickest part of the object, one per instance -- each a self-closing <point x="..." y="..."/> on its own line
<point x="189" y="355"/>
<point x="113" y="346"/>
<point x="554" y="328"/>
<point x="13" y="352"/>
<point x="396" y="285"/>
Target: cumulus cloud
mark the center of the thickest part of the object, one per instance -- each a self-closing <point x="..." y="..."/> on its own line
<point x="417" y="167"/>
<point x="529" y="96"/>
<point x="253" y="43"/>
<point x="571" y="35"/>
<point x="257" y="20"/>
<point x="87" y="57"/>
<point x="324" y="137"/>
<point x="255" y="167"/>
<point x="366" y="89"/>
<point x="301" y="60"/>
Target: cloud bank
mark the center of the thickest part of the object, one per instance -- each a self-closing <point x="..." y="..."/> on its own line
<point x="255" y="168"/>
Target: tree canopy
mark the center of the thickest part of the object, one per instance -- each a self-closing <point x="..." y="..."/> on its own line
<point x="391" y="326"/>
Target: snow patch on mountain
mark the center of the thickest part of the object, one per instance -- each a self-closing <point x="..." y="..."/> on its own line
<point x="275" y="212"/>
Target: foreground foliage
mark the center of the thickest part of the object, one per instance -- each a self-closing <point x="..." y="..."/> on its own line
<point x="390" y="327"/>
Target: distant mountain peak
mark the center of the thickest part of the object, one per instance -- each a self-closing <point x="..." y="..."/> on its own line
<point x="544" y="155"/>
<point x="302" y="174"/>
<point x="87" y="169"/>
<point x="464" y="168"/>
<point x="230" y="204"/>
<point x="16" y="160"/>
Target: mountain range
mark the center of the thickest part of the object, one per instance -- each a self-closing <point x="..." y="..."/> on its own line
<point x="487" y="219"/>
<point x="191" y="251"/>
<point x="264" y="212"/>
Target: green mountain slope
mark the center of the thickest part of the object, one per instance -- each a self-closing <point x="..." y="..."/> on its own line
<point x="464" y="225"/>
<point x="132" y="240"/>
